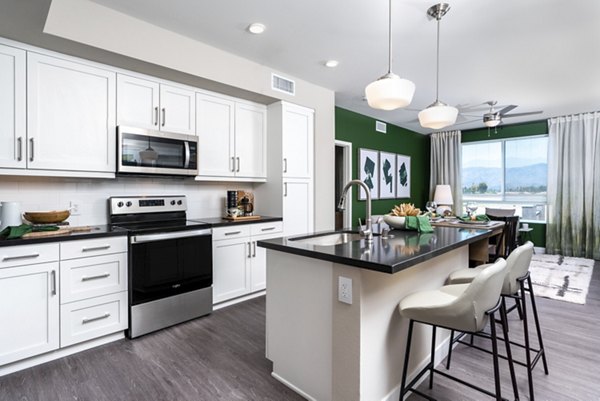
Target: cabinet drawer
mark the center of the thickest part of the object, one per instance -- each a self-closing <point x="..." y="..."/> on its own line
<point x="11" y="256"/>
<point x="231" y="232"/>
<point x="267" y="228"/>
<point x="92" y="247"/>
<point x="92" y="277"/>
<point x="91" y="318"/>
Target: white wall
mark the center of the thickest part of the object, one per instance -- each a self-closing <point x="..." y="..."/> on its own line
<point x="86" y="22"/>
<point x="41" y="193"/>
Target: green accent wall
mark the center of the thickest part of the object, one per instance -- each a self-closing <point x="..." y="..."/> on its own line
<point x="360" y="130"/>
<point x="538" y="235"/>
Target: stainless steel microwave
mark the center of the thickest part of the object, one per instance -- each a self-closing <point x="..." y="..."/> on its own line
<point x="148" y="152"/>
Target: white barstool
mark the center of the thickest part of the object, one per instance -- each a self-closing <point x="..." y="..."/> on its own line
<point x="513" y="287"/>
<point x="461" y="307"/>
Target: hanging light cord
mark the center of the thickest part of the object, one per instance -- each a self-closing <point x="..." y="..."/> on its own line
<point x="390" y="39"/>
<point x="437" y="70"/>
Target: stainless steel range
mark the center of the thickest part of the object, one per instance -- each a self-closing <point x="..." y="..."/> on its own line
<point x="170" y="261"/>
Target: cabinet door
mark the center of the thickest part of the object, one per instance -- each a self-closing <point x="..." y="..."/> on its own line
<point x="137" y="102"/>
<point x="250" y="141"/>
<point x="297" y="141"/>
<point x="297" y="207"/>
<point x="230" y="273"/>
<point x="215" y="129"/>
<point x="71" y="115"/>
<point x="177" y="110"/>
<point x="29" y="314"/>
<point x="258" y="268"/>
<point x="12" y="107"/>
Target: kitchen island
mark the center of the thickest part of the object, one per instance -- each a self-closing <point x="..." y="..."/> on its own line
<point x="326" y="349"/>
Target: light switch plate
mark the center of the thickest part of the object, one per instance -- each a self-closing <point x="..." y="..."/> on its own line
<point x="345" y="290"/>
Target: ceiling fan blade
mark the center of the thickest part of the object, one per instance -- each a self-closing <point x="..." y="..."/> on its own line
<point x="507" y="109"/>
<point x="522" y="114"/>
<point x="464" y="122"/>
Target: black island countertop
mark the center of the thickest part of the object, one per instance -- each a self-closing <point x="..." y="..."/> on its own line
<point x="405" y="249"/>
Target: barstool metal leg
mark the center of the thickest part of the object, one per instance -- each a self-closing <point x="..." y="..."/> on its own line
<point x="450" y="349"/>
<point x="432" y="360"/>
<point x="527" y="345"/>
<point x="511" y="366"/>
<point x="406" y="356"/>
<point x="495" y="357"/>
<point x="537" y="324"/>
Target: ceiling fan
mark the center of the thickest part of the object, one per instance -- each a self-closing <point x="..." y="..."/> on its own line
<point x="493" y="118"/>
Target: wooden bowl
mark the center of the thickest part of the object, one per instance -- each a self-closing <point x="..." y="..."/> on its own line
<point x="54" y="216"/>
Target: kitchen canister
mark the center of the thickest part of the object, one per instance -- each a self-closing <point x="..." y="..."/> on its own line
<point x="10" y="214"/>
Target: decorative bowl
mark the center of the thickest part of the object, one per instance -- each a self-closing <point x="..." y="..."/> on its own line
<point x="54" y="216"/>
<point x="395" y="221"/>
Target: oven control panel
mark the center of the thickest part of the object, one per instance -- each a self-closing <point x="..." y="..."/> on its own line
<point x="146" y="204"/>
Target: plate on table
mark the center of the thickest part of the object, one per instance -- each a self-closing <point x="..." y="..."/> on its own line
<point x="475" y="222"/>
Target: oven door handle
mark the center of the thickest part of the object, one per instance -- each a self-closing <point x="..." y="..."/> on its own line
<point x="137" y="239"/>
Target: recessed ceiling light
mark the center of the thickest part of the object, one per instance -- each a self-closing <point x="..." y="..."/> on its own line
<point x="331" y="63"/>
<point x="256" y="28"/>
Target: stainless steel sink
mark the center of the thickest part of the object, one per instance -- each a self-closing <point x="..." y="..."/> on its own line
<point x="328" y="239"/>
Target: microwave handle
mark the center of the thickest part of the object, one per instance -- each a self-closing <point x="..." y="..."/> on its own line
<point x="187" y="154"/>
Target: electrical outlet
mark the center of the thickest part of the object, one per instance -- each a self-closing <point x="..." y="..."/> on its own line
<point x="74" y="208"/>
<point x="345" y="290"/>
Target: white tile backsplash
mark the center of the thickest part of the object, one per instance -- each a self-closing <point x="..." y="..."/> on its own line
<point x="205" y="199"/>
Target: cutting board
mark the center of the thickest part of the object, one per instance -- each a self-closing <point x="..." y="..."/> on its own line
<point x="60" y="231"/>
<point x="242" y="218"/>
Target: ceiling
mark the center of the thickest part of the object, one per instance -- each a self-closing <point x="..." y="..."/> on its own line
<point x="538" y="54"/>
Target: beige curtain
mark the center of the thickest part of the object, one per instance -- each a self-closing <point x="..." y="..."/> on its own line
<point x="574" y="186"/>
<point x="446" y="164"/>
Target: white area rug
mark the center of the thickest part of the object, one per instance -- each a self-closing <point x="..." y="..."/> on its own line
<point x="561" y="277"/>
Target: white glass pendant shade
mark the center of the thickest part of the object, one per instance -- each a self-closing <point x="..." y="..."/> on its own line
<point x="390" y="92"/>
<point x="438" y="116"/>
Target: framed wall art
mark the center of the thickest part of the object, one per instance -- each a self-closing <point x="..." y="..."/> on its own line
<point x="402" y="176"/>
<point x="368" y="171"/>
<point x="387" y="175"/>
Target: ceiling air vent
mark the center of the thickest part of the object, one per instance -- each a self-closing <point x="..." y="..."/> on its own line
<point x="282" y="84"/>
<point x="380" y="127"/>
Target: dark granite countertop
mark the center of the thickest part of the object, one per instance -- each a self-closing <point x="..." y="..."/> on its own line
<point x="221" y="222"/>
<point x="405" y="249"/>
<point x="96" y="232"/>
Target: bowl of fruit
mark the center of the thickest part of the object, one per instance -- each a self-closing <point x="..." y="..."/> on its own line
<point x="397" y="217"/>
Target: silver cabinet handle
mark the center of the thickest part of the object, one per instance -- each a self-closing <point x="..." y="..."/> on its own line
<point x="31" y="154"/>
<point x="285" y="189"/>
<point x="232" y="164"/>
<point x="285" y="165"/>
<point x="233" y="232"/>
<point x="93" y="319"/>
<point x="249" y="248"/>
<point x="156" y="115"/>
<point x="88" y="278"/>
<point x="28" y="256"/>
<point x="253" y="249"/>
<point x="140" y="239"/>
<point x="267" y="229"/>
<point x="20" y="149"/>
<point x="238" y="165"/>
<point x="164" y="116"/>
<point x="95" y="248"/>
<point x="53" y="282"/>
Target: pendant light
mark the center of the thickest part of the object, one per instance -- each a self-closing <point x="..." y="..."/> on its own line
<point x="438" y="114"/>
<point x="390" y="92"/>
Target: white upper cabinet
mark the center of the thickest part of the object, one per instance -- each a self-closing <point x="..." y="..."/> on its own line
<point x="297" y="141"/>
<point x="216" y="135"/>
<point x="143" y="103"/>
<point x="250" y="140"/>
<point x="12" y="107"/>
<point x="137" y="102"/>
<point x="177" y="110"/>
<point x="232" y="138"/>
<point x="70" y="115"/>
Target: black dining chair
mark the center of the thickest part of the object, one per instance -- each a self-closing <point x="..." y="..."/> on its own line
<point x="508" y="240"/>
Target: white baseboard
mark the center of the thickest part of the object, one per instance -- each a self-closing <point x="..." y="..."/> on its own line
<point x="292" y="387"/>
<point x="539" y="250"/>
<point x="59" y="353"/>
<point x="238" y="300"/>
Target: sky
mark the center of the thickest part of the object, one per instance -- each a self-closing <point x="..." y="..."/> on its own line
<point x="522" y="152"/>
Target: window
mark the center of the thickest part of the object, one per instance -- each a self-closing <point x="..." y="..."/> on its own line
<point x="507" y="172"/>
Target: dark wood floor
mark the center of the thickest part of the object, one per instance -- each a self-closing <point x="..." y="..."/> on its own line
<point x="222" y="358"/>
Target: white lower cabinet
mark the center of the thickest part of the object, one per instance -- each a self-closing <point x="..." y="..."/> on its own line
<point x="239" y="265"/>
<point x="29" y="311"/>
<point x="48" y="302"/>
